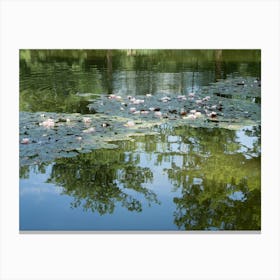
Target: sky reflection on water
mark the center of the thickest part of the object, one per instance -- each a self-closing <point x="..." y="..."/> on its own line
<point x="157" y="182"/>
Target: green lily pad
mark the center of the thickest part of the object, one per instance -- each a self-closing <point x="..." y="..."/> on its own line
<point x="224" y="104"/>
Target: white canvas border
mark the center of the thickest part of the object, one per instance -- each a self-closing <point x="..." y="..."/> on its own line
<point x="155" y="24"/>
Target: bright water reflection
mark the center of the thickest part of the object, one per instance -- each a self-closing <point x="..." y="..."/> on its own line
<point x="183" y="179"/>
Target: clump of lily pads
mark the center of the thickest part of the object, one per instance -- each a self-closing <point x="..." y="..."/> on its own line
<point x="230" y="100"/>
<point x="231" y="103"/>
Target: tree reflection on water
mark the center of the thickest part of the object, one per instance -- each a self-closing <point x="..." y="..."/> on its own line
<point x="209" y="206"/>
<point x="213" y="176"/>
<point x="99" y="180"/>
<point x="220" y="188"/>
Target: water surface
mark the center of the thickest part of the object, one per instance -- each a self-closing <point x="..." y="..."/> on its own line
<point x="181" y="178"/>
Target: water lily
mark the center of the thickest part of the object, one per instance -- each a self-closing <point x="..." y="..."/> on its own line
<point x="89" y="130"/>
<point x="183" y="112"/>
<point x="138" y="101"/>
<point x="111" y="96"/>
<point x="136" y="112"/>
<point x="212" y="115"/>
<point x="25" y="141"/>
<point x="105" y="124"/>
<point x="165" y="99"/>
<point x="190" y="117"/>
<point x="47" y="123"/>
<point x="181" y="97"/>
<point x="144" y="112"/>
<point x="86" y="120"/>
<point x="130" y="124"/>
<point x="158" y="114"/>
<point x="114" y="96"/>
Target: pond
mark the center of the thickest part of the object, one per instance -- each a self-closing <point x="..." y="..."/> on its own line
<point x="145" y="140"/>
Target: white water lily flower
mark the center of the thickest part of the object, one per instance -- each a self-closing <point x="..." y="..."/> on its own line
<point x="112" y="96"/>
<point x="47" y="123"/>
<point x="89" y="130"/>
<point x="165" y="99"/>
<point x="130" y="124"/>
<point x="86" y="120"/>
<point x="206" y="98"/>
<point x="181" y="97"/>
<point x="25" y="141"/>
<point x="158" y="114"/>
<point x="138" y="101"/>
<point x="144" y="112"/>
<point x="212" y="115"/>
<point x="190" y="117"/>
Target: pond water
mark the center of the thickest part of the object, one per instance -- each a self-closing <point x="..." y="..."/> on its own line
<point x="82" y="167"/>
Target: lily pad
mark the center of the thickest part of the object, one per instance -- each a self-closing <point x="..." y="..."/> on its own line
<point x="224" y="104"/>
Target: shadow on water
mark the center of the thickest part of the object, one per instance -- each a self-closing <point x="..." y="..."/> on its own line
<point x="211" y="176"/>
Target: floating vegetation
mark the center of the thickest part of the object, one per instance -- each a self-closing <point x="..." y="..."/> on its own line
<point x="232" y="104"/>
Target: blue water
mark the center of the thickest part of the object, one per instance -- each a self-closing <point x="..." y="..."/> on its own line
<point x="44" y="207"/>
<point x="177" y="184"/>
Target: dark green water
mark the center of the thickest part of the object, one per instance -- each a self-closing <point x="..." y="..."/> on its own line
<point x="182" y="178"/>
